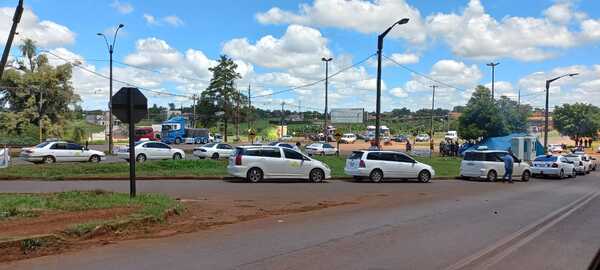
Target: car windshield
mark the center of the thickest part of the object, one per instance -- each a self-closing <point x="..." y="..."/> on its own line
<point x="356" y="155"/>
<point x="546" y="159"/>
<point x="273" y="143"/>
<point x="209" y="145"/>
<point x="42" y="145"/>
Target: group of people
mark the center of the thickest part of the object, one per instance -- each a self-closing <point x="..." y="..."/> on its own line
<point x="449" y="148"/>
<point x="585" y="143"/>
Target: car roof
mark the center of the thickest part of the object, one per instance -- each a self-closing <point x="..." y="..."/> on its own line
<point x="488" y="151"/>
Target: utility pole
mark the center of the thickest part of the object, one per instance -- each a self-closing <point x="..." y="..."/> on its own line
<point x="111" y="48"/>
<point x="519" y="99"/>
<point x="40" y="123"/>
<point x="548" y="82"/>
<point x="194" y="110"/>
<point x="11" y="36"/>
<point x="493" y="65"/>
<point x="326" y="60"/>
<point x="281" y="133"/>
<point x="379" y="53"/>
<point x="249" y="117"/>
<point x="237" y="117"/>
<point x="432" y="108"/>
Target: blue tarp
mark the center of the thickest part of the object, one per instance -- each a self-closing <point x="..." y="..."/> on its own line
<point x="500" y="143"/>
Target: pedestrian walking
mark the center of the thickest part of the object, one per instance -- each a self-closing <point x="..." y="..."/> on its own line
<point x="508" y="167"/>
<point x="408" y="146"/>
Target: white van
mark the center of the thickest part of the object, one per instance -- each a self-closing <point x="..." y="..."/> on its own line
<point x="488" y="164"/>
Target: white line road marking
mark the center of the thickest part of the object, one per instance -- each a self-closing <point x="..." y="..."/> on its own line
<point x="551" y="219"/>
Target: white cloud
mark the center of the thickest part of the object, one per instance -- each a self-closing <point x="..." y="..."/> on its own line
<point x="363" y="16"/>
<point x="503" y="88"/>
<point x="122" y="7"/>
<point x="398" y="92"/>
<point x="173" y="21"/>
<point x="46" y="34"/>
<point x="560" y="13"/>
<point x="151" y="20"/>
<point x="300" y="47"/>
<point x="153" y="52"/>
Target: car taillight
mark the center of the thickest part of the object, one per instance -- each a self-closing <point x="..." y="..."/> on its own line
<point x="362" y="164"/>
<point x="238" y="160"/>
<point x="554" y="165"/>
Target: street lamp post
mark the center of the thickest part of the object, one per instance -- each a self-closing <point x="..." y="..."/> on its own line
<point x="326" y="60"/>
<point x="110" y="52"/>
<point x="548" y="82"/>
<point x="493" y="65"/>
<point x="379" y="51"/>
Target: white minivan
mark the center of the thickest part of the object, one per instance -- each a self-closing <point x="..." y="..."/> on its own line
<point x="256" y="163"/>
<point x="488" y="164"/>
<point x="377" y="165"/>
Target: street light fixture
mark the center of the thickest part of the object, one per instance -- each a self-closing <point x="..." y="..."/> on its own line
<point x="548" y="82"/>
<point x="326" y="60"/>
<point x="110" y="52"/>
<point x="379" y="50"/>
<point x="493" y="65"/>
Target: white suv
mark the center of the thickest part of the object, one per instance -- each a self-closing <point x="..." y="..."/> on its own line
<point x="348" y="138"/>
<point x="256" y="163"/>
<point x="377" y="165"/>
<point x="488" y="164"/>
<point x="549" y="165"/>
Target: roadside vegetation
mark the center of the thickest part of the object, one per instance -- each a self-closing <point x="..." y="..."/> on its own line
<point x="444" y="167"/>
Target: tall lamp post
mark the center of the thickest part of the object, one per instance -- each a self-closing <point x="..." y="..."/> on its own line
<point x="326" y="60"/>
<point x="493" y="65"/>
<point x="548" y="82"/>
<point x="379" y="50"/>
<point x="110" y="47"/>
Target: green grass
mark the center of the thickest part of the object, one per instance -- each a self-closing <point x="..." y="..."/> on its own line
<point x="150" y="168"/>
<point x="443" y="166"/>
<point x="147" y="205"/>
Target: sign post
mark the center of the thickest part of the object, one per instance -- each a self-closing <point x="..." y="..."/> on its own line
<point x="130" y="106"/>
<point x="338" y="138"/>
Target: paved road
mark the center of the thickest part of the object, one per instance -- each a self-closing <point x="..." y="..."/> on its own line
<point x="543" y="224"/>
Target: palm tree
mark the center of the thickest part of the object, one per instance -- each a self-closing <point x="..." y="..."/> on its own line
<point x="29" y="50"/>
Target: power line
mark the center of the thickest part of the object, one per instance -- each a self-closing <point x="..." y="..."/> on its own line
<point x="423" y="75"/>
<point x="318" y="81"/>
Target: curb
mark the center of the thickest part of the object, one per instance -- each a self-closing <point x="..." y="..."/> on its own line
<point x="29" y="242"/>
<point x="155" y="178"/>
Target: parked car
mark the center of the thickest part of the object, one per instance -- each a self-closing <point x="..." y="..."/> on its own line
<point x="286" y="145"/>
<point x="400" y="138"/>
<point x="348" y="138"/>
<point x="595" y="162"/>
<point x="422" y="138"/>
<point x="213" y="150"/>
<point x="361" y="136"/>
<point x="286" y="138"/>
<point x="589" y="164"/>
<point x="148" y="150"/>
<point x="380" y="165"/>
<point x="323" y="149"/>
<point x="581" y="166"/>
<point x="488" y="164"/>
<point x="555" y="148"/>
<point x="549" y="165"/>
<point x="451" y="135"/>
<point x="60" y="151"/>
<point x="256" y="163"/>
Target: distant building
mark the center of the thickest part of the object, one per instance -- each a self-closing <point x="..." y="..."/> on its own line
<point x="172" y="113"/>
<point x="102" y="120"/>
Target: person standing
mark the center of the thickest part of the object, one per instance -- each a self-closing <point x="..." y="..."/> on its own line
<point x="508" y="167"/>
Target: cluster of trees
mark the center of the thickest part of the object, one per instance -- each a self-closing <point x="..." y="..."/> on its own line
<point x="36" y="93"/>
<point x="577" y="120"/>
<point x="483" y="117"/>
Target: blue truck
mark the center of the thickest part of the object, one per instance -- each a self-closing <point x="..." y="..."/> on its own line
<point x="175" y="131"/>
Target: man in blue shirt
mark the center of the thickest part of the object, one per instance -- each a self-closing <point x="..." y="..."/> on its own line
<point x="508" y="167"/>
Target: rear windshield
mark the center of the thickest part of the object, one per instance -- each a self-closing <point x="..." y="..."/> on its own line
<point x="546" y="159"/>
<point x="356" y="155"/>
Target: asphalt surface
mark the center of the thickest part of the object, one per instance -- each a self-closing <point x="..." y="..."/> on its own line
<point x="542" y="224"/>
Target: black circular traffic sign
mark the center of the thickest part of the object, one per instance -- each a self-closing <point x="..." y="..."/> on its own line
<point x="121" y="106"/>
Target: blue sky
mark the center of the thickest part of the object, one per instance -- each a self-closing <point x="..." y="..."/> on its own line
<point x="279" y="44"/>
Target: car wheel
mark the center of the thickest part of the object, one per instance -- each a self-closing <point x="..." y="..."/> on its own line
<point x="316" y="175"/>
<point x="141" y="158"/>
<point x="376" y="176"/>
<point x="254" y="175"/>
<point x="322" y="153"/>
<point x="492" y="176"/>
<point x="49" y="159"/>
<point x="177" y="156"/>
<point x="561" y="175"/>
<point x="574" y="174"/>
<point x="525" y="176"/>
<point x="424" y="176"/>
<point x="177" y="140"/>
<point x="95" y="158"/>
<point x="215" y="156"/>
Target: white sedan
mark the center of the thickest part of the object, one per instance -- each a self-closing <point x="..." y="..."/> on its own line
<point x="322" y="149"/>
<point x="213" y="150"/>
<point x="377" y="165"/>
<point x="149" y="150"/>
<point x="60" y="151"/>
<point x="256" y="163"/>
